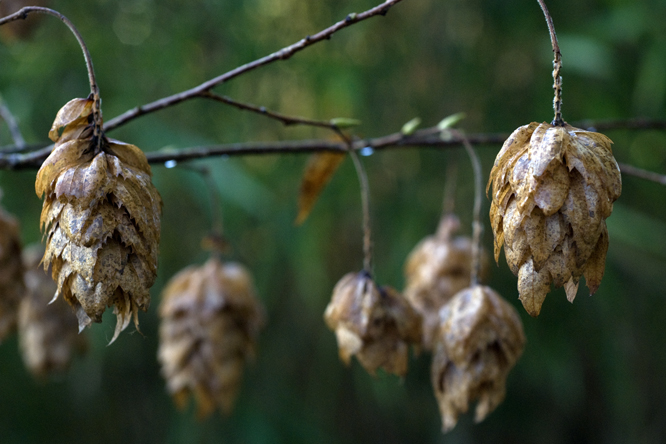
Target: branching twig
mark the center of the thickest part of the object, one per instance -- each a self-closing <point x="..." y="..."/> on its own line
<point x="557" y="66"/>
<point x="14" y="129"/>
<point x="282" y="54"/>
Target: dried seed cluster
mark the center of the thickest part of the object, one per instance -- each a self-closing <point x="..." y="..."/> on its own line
<point x="374" y="323"/>
<point x="11" y="273"/>
<point x="437" y="268"/>
<point x="210" y="322"/>
<point x="101" y="216"/>
<point x="48" y="336"/>
<point x="480" y="339"/>
<point x="553" y="188"/>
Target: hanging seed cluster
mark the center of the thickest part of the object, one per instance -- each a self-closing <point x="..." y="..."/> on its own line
<point x="12" y="287"/>
<point x="376" y="324"/>
<point x="553" y="188"/>
<point x="210" y="320"/>
<point x="101" y="216"/>
<point x="437" y="268"/>
<point x="480" y="339"/>
<point x="47" y="332"/>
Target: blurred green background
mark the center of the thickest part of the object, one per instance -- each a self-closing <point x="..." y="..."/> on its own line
<point x="592" y="371"/>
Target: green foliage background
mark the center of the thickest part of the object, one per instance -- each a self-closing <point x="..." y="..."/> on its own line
<point x="592" y="371"/>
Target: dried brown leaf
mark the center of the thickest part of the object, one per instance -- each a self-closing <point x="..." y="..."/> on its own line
<point x="318" y="172"/>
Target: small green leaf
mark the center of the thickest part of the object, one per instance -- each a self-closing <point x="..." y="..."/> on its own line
<point x="344" y="122"/>
<point x="409" y="127"/>
<point x="450" y="121"/>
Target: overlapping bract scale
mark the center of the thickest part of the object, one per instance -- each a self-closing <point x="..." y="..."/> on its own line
<point x="437" y="268"/>
<point x="101" y="218"/>
<point x="12" y="287"/>
<point x="376" y="324"/>
<point x="48" y="336"/>
<point x="479" y="341"/>
<point x="553" y="188"/>
<point x="210" y="321"/>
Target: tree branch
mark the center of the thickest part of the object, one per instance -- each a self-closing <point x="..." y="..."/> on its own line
<point x="10" y="159"/>
<point x="282" y="54"/>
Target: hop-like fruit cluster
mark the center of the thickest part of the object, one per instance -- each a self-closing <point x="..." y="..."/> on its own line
<point x="48" y="336"/>
<point x="374" y="323"/>
<point x="480" y="339"/>
<point x="210" y="323"/>
<point x="437" y="268"/>
<point x="553" y="188"/>
<point x="101" y="217"/>
<point x="11" y="273"/>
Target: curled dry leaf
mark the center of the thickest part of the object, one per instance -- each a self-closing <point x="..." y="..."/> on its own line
<point x="210" y="321"/>
<point x="12" y="287"/>
<point x="437" y="268"/>
<point x="101" y="218"/>
<point x="553" y="188"/>
<point x="48" y="336"/>
<point x="318" y="172"/>
<point x="479" y="341"/>
<point x="377" y="325"/>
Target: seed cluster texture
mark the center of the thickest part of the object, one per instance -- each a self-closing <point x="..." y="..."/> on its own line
<point x="210" y="322"/>
<point x="480" y="339"/>
<point x="553" y="188"/>
<point x="12" y="287"/>
<point x="437" y="268"/>
<point x="47" y="332"/>
<point x="376" y="324"/>
<point x="101" y="216"/>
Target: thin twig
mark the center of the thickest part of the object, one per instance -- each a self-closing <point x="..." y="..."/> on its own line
<point x="285" y="119"/>
<point x="557" y="66"/>
<point x="23" y="13"/>
<point x="282" y="54"/>
<point x="14" y="129"/>
<point x="621" y="124"/>
<point x="477" y="225"/>
<point x="642" y="174"/>
<point x="365" y="202"/>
